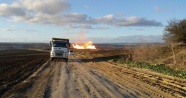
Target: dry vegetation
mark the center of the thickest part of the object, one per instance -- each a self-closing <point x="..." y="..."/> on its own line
<point x="156" y="54"/>
<point x="152" y="56"/>
<point x="145" y="53"/>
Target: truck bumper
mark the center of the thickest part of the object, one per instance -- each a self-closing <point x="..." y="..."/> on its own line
<point x="57" y="55"/>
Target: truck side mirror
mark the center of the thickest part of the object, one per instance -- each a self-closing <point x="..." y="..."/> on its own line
<point x="69" y="44"/>
<point x="50" y="44"/>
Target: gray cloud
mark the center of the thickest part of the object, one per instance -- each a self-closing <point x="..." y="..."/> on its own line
<point x="46" y="6"/>
<point x="11" y="10"/>
<point x="141" y="38"/>
<point x="16" y="29"/>
<point x="9" y="29"/>
<point x="129" y="39"/>
<point x="102" y="27"/>
<point x="129" y="21"/>
<point x="108" y="19"/>
<point x="54" y="12"/>
<point x="75" y="18"/>
<point x="85" y="26"/>
<point x="40" y="18"/>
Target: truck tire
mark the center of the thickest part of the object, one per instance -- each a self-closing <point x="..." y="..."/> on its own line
<point x="66" y="60"/>
<point x="51" y="59"/>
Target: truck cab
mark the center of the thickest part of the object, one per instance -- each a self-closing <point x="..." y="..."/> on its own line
<point x="59" y="49"/>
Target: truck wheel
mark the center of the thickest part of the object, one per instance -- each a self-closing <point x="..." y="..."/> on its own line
<point x="51" y="59"/>
<point x="66" y="60"/>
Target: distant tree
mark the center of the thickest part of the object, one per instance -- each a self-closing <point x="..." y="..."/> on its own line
<point x="175" y="31"/>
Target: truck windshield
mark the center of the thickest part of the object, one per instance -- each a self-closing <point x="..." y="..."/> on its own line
<point x="59" y="44"/>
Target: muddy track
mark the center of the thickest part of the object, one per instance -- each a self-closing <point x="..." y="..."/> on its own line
<point x="77" y="79"/>
<point x="143" y="80"/>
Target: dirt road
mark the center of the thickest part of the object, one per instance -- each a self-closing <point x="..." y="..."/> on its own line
<point x="77" y="79"/>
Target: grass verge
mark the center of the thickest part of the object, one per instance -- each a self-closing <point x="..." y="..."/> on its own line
<point x="160" y="68"/>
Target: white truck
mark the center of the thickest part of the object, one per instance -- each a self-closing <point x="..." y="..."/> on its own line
<point x="59" y="49"/>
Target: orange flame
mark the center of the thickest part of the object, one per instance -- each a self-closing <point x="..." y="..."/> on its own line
<point x="88" y="45"/>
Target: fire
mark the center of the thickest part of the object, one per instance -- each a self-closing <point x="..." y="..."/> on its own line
<point x="88" y="45"/>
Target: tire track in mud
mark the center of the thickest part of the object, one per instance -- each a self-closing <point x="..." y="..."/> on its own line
<point x="59" y="86"/>
<point x="141" y="82"/>
<point x="41" y="81"/>
<point x="70" y="83"/>
<point x="133" y="85"/>
<point x="77" y="79"/>
<point x="96" y="85"/>
<point x="167" y="85"/>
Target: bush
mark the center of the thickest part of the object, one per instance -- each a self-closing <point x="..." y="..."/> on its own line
<point x="175" y="31"/>
<point x="161" y="68"/>
<point x="145" y="52"/>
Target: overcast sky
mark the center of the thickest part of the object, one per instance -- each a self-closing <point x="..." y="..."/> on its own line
<point x="102" y="21"/>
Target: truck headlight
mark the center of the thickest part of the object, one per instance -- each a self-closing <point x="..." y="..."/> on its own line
<point x="52" y="53"/>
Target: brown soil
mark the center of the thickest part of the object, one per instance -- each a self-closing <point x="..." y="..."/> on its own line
<point x="35" y="76"/>
<point x="17" y="65"/>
